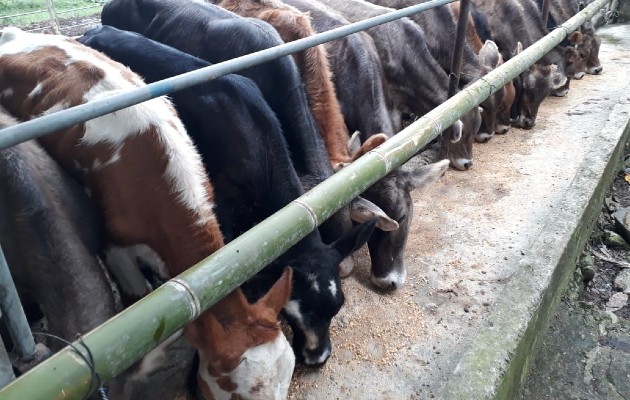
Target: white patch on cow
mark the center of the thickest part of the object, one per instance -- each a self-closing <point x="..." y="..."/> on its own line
<point x="579" y="75"/>
<point x="393" y="280"/>
<point x="483" y="137"/>
<point x="461" y="163"/>
<point x="97" y="165"/>
<point x="78" y="167"/>
<point x="332" y="287"/>
<point x="264" y="372"/>
<point x="37" y="90"/>
<point x="6" y="92"/>
<point x="561" y="93"/>
<point x="213" y="387"/>
<point x="500" y="128"/>
<point x="293" y="309"/>
<point x="184" y="171"/>
<point x="314" y="284"/>
<point x="149" y="257"/>
<point x="320" y="360"/>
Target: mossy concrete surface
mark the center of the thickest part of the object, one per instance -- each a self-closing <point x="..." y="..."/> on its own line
<point x="496" y="363"/>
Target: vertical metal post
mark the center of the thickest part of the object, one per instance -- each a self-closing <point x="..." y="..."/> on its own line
<point x="545" y="11"/>
<point x="456" y="64"/>
<point x="6" y="369"/>
<point x="14" y="314"/>
<point x="53" y="16"/>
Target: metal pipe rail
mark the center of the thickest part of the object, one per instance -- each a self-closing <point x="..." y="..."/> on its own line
<point x="65" y="118"/>
<point x="125" y="338"/>
<point x="14" y="316"/>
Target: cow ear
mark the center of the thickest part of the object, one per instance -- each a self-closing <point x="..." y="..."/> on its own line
<point x="232" y="307"/>
<point x="357" y="237"/>
<point x="420" y="178"/>
<point x="362" y="210"/>
<point x="489" y="54"/>
<point x="576" y="37"/>
<point x="354" y="143"/>
<point x="277" y="297"/>
<point x="371" y="143"/>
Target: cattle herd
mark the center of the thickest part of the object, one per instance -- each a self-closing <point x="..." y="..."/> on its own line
<point x="97" y="215"/>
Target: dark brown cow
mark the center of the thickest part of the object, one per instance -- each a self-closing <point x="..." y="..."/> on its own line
<point x="415" y="80"/>
<point x="492" y="59"/>
<point x="142" y="170"/>
<point x="440" y="32"/>
<point x="512" y="29"/>
<point x="356" y="72"/>
<point x="559" y="12"/>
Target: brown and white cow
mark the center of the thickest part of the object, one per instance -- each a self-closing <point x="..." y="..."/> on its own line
<point x="145" y="175"/>
<point x="292" y="25"/>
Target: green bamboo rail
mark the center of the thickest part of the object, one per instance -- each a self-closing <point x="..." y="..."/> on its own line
<point x="125" y="338"/>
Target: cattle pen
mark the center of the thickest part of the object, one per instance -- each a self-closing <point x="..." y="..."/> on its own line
<point x="214" y="277"/>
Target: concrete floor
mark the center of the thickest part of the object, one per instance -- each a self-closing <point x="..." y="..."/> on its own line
<point x="469" y="234"/>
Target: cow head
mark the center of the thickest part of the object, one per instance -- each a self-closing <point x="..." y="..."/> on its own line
<point x="252" y="360"/>
<point x="532" y="86"/>
<point x="575" y="56"/>
<point x="318" y="296"/>
<point x="490" y="58"/>
<point x="590" y="45"/>
<point x="456" y="143"/>
<point x="393" y="195"/>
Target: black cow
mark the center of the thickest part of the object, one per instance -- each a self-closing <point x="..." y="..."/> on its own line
<point x="246" y="156"/>
<point x="215" y="34"/>
<point x="415" y="80"/>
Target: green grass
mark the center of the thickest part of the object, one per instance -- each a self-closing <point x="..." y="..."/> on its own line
<point x="12" y="7"/>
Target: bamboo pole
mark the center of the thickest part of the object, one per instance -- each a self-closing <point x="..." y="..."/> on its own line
<point x="53" y="16"/>
<point x="122" y="340"/>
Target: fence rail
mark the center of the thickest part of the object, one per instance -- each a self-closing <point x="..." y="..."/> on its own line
<point x="67" y="376"/>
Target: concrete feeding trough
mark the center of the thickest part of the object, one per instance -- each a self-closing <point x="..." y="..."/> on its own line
<point x="489" y="253"/>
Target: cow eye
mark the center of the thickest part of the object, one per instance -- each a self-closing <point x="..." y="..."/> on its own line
<point x="401" y="219"/>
